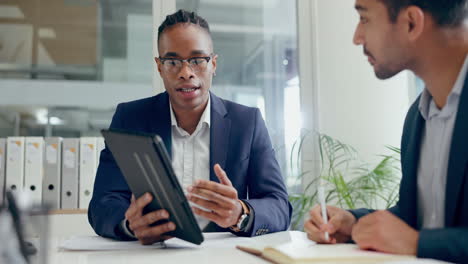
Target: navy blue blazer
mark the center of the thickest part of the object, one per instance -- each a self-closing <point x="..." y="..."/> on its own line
<point x="449" y="243"/>
<point x="239" y="142"/>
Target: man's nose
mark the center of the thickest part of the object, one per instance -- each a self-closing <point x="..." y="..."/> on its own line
<point x="186" y="72"/>
<point x="358" y="38"/>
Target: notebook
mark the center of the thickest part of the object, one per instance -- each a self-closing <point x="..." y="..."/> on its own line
<point x="301" y="250"/>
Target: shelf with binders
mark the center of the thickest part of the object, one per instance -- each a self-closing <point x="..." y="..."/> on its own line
<point x="55" y="171"/>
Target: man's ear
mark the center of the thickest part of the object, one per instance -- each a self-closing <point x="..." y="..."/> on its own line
<point x="214" y="61"/>
<point x="158" y="63"/>
<point x="416" y="20"/>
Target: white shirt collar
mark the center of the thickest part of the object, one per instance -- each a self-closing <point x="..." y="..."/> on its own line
<point x="204" y="119"/>
<point x="426" y="105"/>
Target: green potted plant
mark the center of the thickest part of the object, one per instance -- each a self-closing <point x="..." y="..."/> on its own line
<point x="349" y="182"/>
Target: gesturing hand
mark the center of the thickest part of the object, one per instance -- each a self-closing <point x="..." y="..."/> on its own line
<point x="220" y="198"/>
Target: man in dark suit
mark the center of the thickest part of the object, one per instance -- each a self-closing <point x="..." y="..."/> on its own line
<point x="221" y="151"/>
<point x="430" y="38"/>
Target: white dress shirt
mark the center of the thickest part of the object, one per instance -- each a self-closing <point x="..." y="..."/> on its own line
<point x="191" y="153"/>
<point x="435" y="151"/>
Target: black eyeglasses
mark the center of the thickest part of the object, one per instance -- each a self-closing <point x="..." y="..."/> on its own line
<point x="173" y="65"/>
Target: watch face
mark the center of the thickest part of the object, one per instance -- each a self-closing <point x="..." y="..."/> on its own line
<point x="244" y="222"/>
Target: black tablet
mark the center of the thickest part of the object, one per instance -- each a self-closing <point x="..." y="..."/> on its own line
<point x="146" y="166"/>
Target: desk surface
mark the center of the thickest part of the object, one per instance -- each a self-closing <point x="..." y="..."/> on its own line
<point x="217" y="248"/>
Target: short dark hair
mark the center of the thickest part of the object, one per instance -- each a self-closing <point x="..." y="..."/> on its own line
<point x="183" y="16"/>
<point x="450" y="13"/>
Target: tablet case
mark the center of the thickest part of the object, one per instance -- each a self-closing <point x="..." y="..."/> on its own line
<point x="146" y="166"/>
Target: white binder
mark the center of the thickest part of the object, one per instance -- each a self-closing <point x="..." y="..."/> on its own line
<point x="34" y="168"/>
<point x="15" y="164"/>
<point x="101" y="145"/>
<point x="2" y="168"/>
<point x="88" y="161"/>
<point x="70" y="173"/>
<point x="51" y="185"/>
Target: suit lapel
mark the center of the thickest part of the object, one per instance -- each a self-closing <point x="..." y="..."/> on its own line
<point x="219" y="135"/>
<point x="408" y="189"/>
<point x="458" y="158"/>
<point x="160" y="120"/>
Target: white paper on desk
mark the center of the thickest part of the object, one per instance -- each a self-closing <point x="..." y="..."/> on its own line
<point x="279" y="238"/>
<point x="97" y="243"/>
<point x="259" y="243"/>
<point x="212" y="240"/>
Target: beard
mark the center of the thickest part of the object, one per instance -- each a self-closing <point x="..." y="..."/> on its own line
<point x="382" y="71"/>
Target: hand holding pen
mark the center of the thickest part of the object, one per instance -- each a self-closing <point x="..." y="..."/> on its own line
<point x="329" y="224"/>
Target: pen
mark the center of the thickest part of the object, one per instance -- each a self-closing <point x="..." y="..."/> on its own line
<point x="321" y="196"/>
